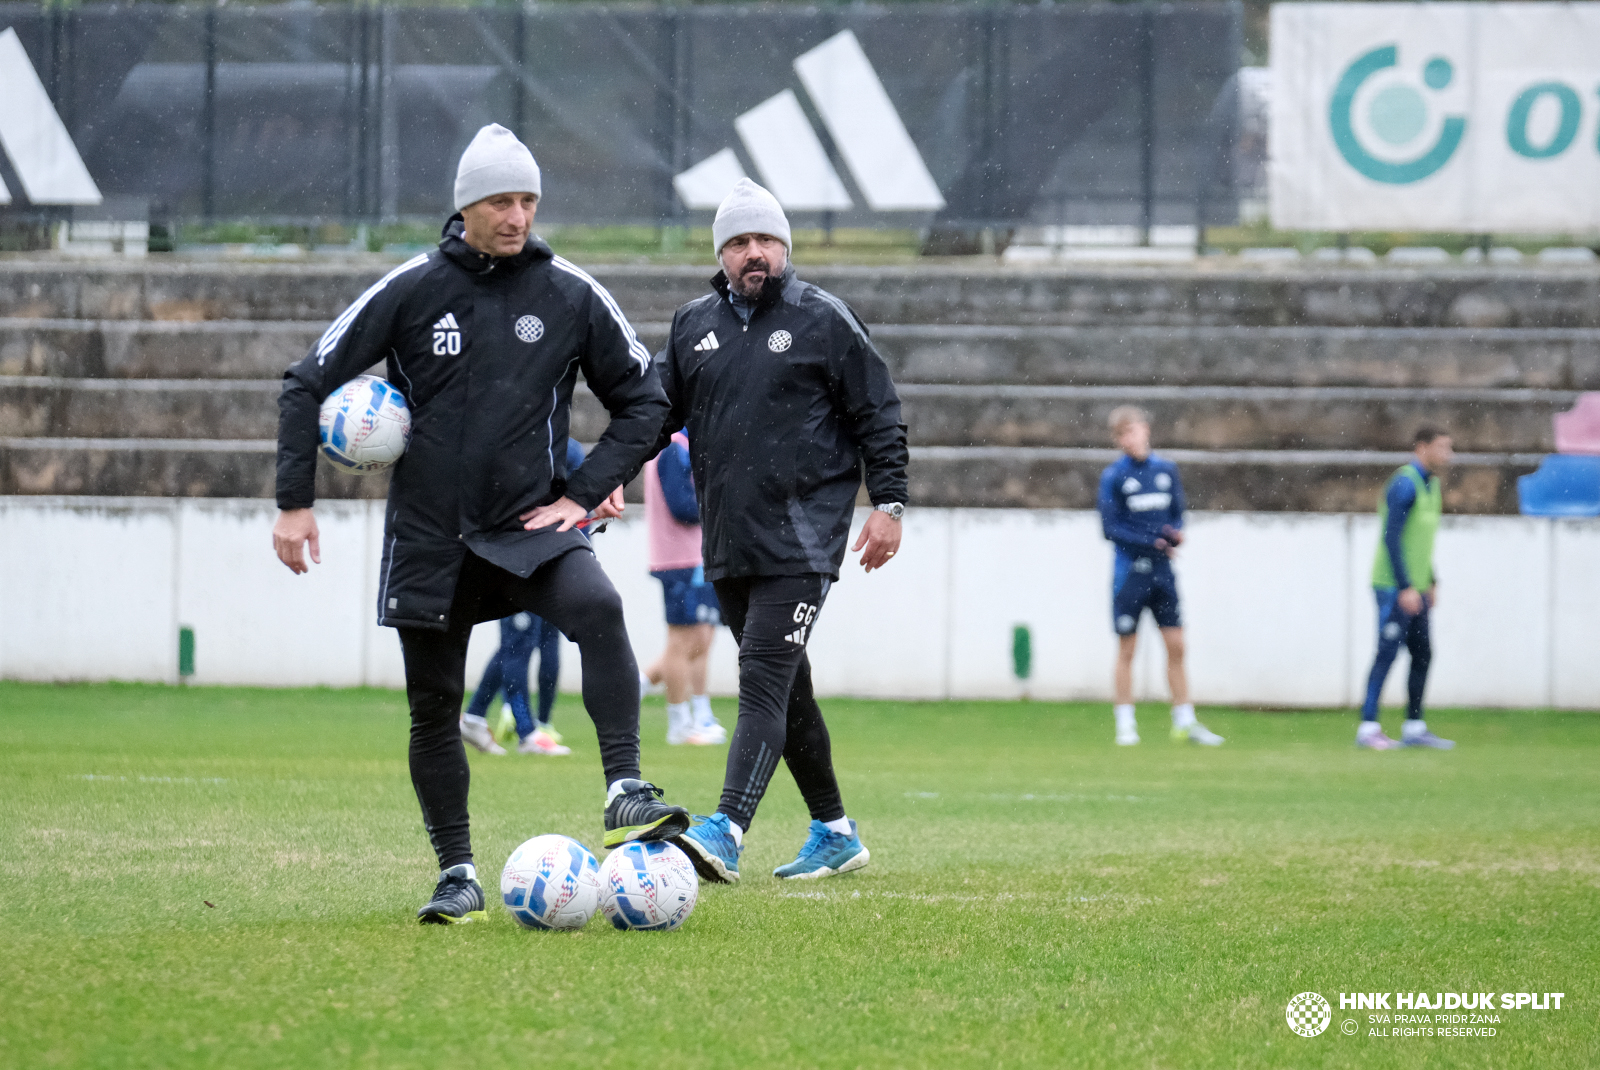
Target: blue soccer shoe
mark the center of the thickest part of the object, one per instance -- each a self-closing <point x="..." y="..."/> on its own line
<point x="826" y="853"/>
<point x="710" y="845"/>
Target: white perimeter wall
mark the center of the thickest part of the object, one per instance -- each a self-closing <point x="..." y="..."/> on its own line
<point x="1277" y="607"/>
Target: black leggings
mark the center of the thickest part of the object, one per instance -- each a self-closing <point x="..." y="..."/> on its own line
<point x="772" y="618"/>
<point x="573" y="593"/>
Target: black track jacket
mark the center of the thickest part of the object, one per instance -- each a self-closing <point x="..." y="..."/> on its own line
<point x="781" y="416"/>
<point x="486" y="351"/>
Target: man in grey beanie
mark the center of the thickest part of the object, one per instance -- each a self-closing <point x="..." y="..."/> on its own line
<point x="485" y="337"/>
<point x="787" y="405"/>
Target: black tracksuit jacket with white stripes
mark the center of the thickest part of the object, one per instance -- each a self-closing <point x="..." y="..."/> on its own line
<point x="784" y="416"/>
<point x="486" y="351"/>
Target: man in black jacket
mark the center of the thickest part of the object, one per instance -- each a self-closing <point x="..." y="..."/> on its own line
<point x="485" y="337"/>
<point x="786" y="401"/>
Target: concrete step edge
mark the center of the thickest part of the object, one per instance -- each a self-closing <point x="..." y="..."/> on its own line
<point x="918" y="453"/>
<point x="152" y="386"/>
<point x="1506" y="395"/>
<point x="955" y="391"/>
<point x="895" y="330"/>
<point x="169" y="445"/>
<point x="1192" y="456"/>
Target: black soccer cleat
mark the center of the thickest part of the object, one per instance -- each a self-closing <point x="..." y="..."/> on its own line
<point x="637" y="814"/>
<point x="457" y="899"/>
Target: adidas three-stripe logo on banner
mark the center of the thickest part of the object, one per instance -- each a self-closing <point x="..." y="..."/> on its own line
<point x="706" y="344"/>
<point x="34" y="138"/>
<point x="868" y="132"/>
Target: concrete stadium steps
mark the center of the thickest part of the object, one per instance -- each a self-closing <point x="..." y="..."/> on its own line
<point x="960" y="476"/>
<point x="154" y="349"/>
<point x="1276" y="389"/>
<point x="1194" y="417"/>
<point x="147" y="467"/>
<point x="139" y="408"/>
<point x="1268" y="480"/>
<point x="1208" y="418"/>
<point x="1551" y="359"/>
<point x="1542" y="358"/>
<point x="1231" y="417"/>
<point x="1203" y="295"/>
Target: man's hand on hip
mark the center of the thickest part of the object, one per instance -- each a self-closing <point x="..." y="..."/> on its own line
<point x="563" y="512"/>
<point x="881" y="538"/>
<point x="295" y="528"/>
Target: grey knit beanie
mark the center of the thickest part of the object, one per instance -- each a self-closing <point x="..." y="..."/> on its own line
<point x="749" y="209"/>
<point x="495" y="162"/>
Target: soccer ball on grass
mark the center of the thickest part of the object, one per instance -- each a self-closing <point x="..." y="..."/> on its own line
<point x="648" y="886"/>
<point x="551" y="882"/>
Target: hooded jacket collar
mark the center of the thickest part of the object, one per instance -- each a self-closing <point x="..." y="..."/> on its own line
<point x="453" y="243"/>
<point x="772" y="290"/>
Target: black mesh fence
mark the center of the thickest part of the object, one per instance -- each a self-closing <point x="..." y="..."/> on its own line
<point x="1096" y="113"/>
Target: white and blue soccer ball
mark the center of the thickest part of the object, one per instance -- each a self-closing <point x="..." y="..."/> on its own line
<point x="650" y="886"/>
<point x="551" y="882"/>
<point x="365" y="425"/>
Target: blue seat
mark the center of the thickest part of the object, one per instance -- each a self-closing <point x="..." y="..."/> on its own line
<point x="1564" y="485"/>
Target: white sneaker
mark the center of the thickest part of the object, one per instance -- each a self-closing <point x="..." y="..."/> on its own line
<point x="1198" y="733"/>
<point x="1376" y="740"/>
<point x="682" y="729"/>
<point x="540" y="742"/>
<point x="1127" y="732"/>
<point x="706" y="723"/>
<point x="475" y="731"/>
<point x="680" y="722"/>
<point x="647" y="688"/>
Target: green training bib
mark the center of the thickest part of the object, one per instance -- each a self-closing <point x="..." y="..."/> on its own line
<point x="1416" y="538"/>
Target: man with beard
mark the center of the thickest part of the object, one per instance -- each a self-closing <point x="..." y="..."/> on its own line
<point x="786" y="402"/>
<point x="485" y="337"/>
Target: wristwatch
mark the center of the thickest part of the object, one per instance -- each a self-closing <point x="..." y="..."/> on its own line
<point x="895" y="509"/>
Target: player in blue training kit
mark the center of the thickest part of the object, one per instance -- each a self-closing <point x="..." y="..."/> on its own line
<point x="1407" y="588"/>
<point x="1141" y="511"/>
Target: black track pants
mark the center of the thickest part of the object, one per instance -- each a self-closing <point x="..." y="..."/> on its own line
<point x="772" y="618"/>
<point x="573" y="593"/>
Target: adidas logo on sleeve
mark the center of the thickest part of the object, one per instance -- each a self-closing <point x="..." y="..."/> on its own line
<point x="447" y="336"/>
<point x="706" y="344"/>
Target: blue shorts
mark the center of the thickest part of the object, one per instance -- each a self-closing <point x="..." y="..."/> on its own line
<point x="690" y="599"/>
<point x="1140" y="583"/>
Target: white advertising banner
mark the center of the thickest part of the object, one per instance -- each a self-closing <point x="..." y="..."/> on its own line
<point x="1477" y="117"/>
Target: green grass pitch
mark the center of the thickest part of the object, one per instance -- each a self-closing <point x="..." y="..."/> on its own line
<point x="228" y="877"/>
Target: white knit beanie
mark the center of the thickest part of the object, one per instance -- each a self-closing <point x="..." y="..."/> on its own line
<point x="749" y="209"/>
<point x="495" y="162"/>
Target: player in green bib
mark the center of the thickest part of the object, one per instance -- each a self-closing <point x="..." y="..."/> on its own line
<point x="1406" y="585"/>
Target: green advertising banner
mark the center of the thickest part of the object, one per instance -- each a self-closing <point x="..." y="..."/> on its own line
<point x="1454" y="116"/>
